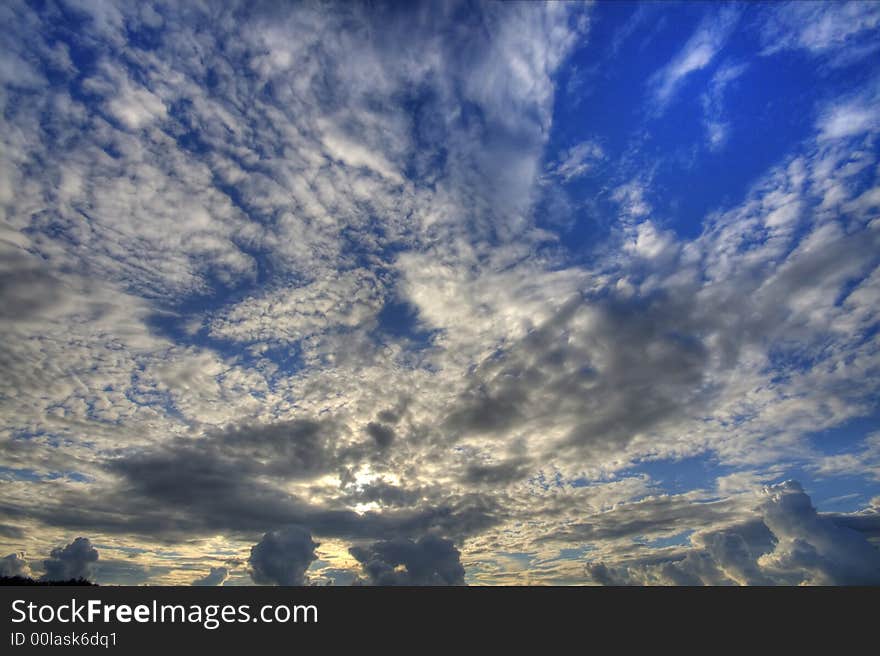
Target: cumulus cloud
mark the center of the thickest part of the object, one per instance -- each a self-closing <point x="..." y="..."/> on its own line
<point x="77" y="560"/>
<point x="15" y="564"/>
<point x="215" y="577"/>
<point x="282" y="557"/>
<point x="812" y="549"/>
<point x="430" y="560"/>
<point x="788" y="544"/>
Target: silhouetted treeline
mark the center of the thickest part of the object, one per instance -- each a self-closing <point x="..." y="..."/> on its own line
<point x="25" y="580"/>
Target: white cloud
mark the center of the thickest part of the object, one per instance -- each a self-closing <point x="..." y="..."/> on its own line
<point x="717" y="128"/>
<point x="848" y="119"/>
<point x="350" y="299"/>
<point x="578" y="160"/>
<point x="699" y="51"/>
<point x="631" y="197"/>
<point x="136" y="107"/>
<point x="651" y="243"/>
<point x="840" y="28"/>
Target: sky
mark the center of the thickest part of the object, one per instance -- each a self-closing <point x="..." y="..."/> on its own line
<point x="440" y="293"/>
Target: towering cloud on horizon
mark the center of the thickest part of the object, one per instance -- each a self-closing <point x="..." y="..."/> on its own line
<point x="430" y="560"/>
<point x="282" y="557"/>
<point x="14" y="564"/>
<point x="77" y="560"/>
<point x="788" y="544"/>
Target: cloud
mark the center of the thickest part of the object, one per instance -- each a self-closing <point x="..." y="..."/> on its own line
<point x="631" y="198"/>
<point x="865" y="459"/>
<point x="282" y="557"/>
<point x="577" y="161"/>
<point x="430" y="560"/>
<point x="215" y="577"/>
<point x="496" y="473"/>
<point x="383" y="435"/>
<point x="15" y="565"/>
<point x="348" y="300"/>
<point x="850" y="117"/>
<point x="75" y="561"/>
<point x="655" y="516"/>
<point x="651" y="243"/>
<point x="573" y="379"/>
<point x="843" y="30"/>
<point x="789" y="544"/>
<point x="294" y="449"/>
<point x="812" y="549"/>
<point x="132" y="105"/>
<point x="717" y="128"/>
<point x="13" y="532"/>
<point x="699" y="51"/>
<point x="128" y="571"/>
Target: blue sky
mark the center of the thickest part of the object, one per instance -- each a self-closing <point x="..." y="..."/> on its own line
<point x="440" y="293"/>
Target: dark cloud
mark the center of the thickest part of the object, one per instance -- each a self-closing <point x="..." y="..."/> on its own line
<point x="26" y="290"/>
<point x="387" y="495"/>
<point x="389" y="416"/>
<point x="14" y="565"/>
<point x="11" y="532"/>
<point x="485" y="411"/>
<point x="293" y="449"/>
<point x="126" y="572"/>
<point x="457" y="517"/>
<point x="231" y="481"/>
<point x="220" y="480"/>
<point x="383" y="435"/>
<point x="652" y="516"/>
<point x="497" y="473"/>
<point x="282" y="557"/>
<point x="246" y="508"/>
<point x="215" y="577"/>
<point x="640" y="364"/>
<point x="866" y="523"/>
<point x="75" y="561"/>
<point x="431" y="560"/>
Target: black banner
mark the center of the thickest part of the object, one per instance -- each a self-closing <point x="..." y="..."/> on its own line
<point x="133" y="620"/>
